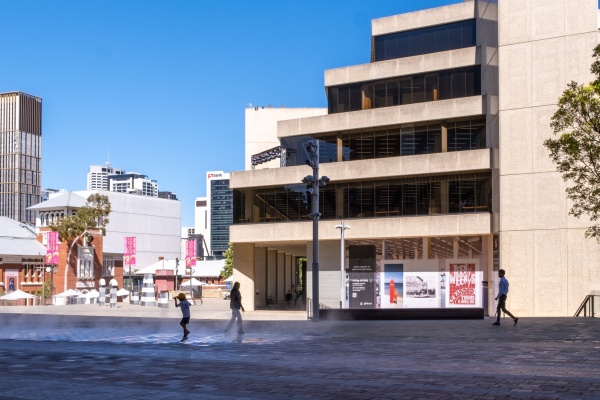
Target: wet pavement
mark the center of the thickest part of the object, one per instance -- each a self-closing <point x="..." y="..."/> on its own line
<point x="80" y="352"/>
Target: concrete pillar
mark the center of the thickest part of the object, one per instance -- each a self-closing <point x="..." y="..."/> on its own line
<point x="426" y="248"/>
<point x="244" y="272"/>
<point x="456" y="248"/>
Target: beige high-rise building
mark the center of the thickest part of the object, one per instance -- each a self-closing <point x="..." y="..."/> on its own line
<point x="20" y="155"/>
<point x="435" y="156"/>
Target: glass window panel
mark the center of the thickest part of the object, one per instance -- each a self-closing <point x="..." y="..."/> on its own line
<point x="352" y="196"/>
<point x="332" y="100"/>
<point x="380" y="45"/>
<point x="431" y="87"/>
<point x="393" y="93"/>
<point x="403" y="45"/>
<point x="381" y="144"/>
<point x="478" y="128"/>
<point x="441" y="38"/>
<point x="355" y="98"/>
<point x="416" y="42"/>
<point x="346" y="150"/>
<point x="380" y="95"/>
<point x="418" y="89"/>
<point x="445" y="82"/>
<point x="470" y="82"/>
<point x="407" y="141"/>
<point x="366" y="144"/>
<point x="327" y="149"/>
<point x="451" y="126"/>
<point x="434" y="136"/>
<point x="393" y="142"/>
<point x="420" y="140"/>
<point x="327" y="202"/>
<point x="382" y="199"/>
<point x="405" y="87"/>
<point x="428" y="40"/>
<point x="468" y="33"/>
<point x="367" y="200"/>
<point x="458" y="84"/>
<point x="455" y="36"/>
<point x="367" y="100"/>
<point x="391" y="47"/>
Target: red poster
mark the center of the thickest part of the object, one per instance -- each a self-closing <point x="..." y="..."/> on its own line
<point x="462" y="284"/>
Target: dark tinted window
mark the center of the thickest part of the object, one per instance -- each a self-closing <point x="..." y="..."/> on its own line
<point x="424" y="41"/>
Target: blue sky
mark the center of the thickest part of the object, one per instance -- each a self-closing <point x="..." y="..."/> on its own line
<point x="161" y="86"/>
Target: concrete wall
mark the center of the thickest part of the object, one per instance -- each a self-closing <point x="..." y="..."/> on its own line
<point x="261" y="130"/>
<point x="543" y="45"/>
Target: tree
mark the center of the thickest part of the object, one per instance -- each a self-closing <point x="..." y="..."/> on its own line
<point x="576" y="150"/>
<point x="228" y="267"/>
<point x="94" y="215"/>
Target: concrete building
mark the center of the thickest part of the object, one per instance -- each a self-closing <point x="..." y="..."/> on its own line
<point x="435" y="158"/>
<point x="154" y="222"/>
<point x="133" y="183"/>
<point x="20" y="155"/>
<point x="97" y="177"/>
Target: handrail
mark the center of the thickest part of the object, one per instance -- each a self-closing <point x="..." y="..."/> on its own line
<point x="587" y="306"/>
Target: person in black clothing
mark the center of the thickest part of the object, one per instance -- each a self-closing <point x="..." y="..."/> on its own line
<point x="235" y="304"/>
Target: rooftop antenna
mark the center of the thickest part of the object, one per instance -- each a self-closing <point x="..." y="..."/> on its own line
<point x="108" y="157"/>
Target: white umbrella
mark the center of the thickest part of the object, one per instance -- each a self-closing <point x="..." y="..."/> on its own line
<point x="17" y="295"/>
<point x="195" y="282"/>
<point x="122" y="292"/>
<point x="68" y="293"/>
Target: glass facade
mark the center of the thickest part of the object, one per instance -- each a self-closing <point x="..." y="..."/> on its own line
<point x="445" y="194"/>
<point x="441" y="85"/>
<point x="432" y="39"/>
<point x="221" y="198"/>
<point x="460" y="135"/>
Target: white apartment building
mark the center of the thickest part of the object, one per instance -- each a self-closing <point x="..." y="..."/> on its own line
<point x="97" y="177"/>
<point x="133" y="183"/>
<point x="435" y="158"/>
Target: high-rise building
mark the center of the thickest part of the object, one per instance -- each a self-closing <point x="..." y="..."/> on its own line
<point x="435" y="155"/>
<point x="20" y="155"/>
<point x="97" y="177"/>
<point x="133" y="182"/>
<point x="220" y="211"/>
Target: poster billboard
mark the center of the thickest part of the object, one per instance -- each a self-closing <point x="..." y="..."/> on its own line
<point x="462" y="284"/>
<point x="52" y="248"/>
<point x="190" y="253"/>
<point x="392" y="286"/>
<point x="129" y="257"/>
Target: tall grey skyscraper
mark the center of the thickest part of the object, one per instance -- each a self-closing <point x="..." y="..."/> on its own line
<point x="20" y="155"/>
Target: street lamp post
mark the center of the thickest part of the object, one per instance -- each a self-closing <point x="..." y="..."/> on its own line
<point x="342" y="227"/>
<point x="313" y="182"/>
<point x="51" y="270"/>
<point x="192" y="270"/>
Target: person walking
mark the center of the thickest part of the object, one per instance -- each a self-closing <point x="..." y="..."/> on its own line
<point x="235" y="303"/>
<point x="502" y="294"/>
<point x="184" y="304"/>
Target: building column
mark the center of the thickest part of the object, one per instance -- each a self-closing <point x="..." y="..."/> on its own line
<point x="244" y="272"/>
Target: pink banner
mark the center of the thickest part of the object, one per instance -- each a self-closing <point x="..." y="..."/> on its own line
<point x="190" y="253"/>
<point x="462" y="284"/>
<point x="130" y="251"/>
<point x="52" y="248"/>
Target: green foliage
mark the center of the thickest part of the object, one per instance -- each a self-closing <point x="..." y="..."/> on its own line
<point x="576" y="150"/>
<point x="47" y="290"/>
<point x="228" y="267"/>
<point x="94" y="215"/>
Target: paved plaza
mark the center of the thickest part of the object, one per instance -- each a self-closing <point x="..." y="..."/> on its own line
<point x="87" y="351"/>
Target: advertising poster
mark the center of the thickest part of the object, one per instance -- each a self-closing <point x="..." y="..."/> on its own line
<point x="461" y="284"/>
<point x="362" y="290"/>
<point x="129" y="257"/>
<point x="51" y="248"/>
<point x="190" y="253"/>
<point x="392" y="290"/>
<point x="361" y="276"/>
<point x="421" y="289"/>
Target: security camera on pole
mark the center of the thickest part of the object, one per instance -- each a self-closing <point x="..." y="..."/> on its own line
<point x="313" y="182"/>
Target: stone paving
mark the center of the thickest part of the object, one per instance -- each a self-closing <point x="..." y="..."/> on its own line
<point x="137" y="355"/>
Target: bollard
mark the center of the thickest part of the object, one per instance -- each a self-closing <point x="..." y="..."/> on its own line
<point x="135" y="298"/>
<point x="102" y="296"/>
<point x="163" y="300"/>
<point x="148" y="298"/>
<point x="113" y="297"/>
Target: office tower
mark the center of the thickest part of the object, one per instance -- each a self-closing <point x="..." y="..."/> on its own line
<point x="97" y="177"/>
<point x="20" y="155"/>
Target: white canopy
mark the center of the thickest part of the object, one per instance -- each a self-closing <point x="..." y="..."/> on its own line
<point x="68" y="293"/>
<point x="17" y="295"/>
<point x="122" y="292"/>
<point x="230" y="279"/>
<point x="195" y="282"/>
<point x="92" y="294"/>
<point x="162" y="264"/>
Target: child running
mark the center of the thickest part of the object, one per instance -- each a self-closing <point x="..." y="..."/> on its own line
<point x="185" y="312"/>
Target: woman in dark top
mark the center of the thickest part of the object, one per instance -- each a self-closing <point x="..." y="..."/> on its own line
<point x="235" y="304"/>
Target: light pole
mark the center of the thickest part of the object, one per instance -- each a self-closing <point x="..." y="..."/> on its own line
<point x="342" y="227"/>
<point x="51" y="270"/>
<point x="313" y="182"/>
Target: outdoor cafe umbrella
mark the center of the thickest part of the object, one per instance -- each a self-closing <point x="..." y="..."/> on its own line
<point x="68" y="293"/>
<point x="122" y="292"/>
<point x="17" y="295"/>
<point x="92" y="294"/>
<point x="194" y="282"/>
